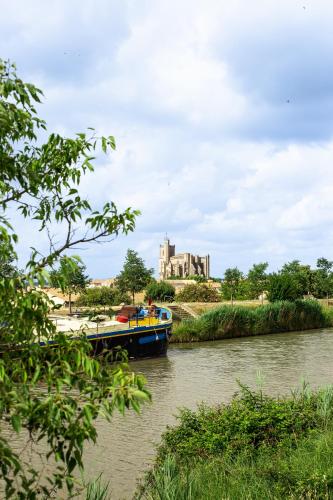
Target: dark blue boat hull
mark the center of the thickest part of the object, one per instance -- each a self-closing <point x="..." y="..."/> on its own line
<point x="139" y="342"/>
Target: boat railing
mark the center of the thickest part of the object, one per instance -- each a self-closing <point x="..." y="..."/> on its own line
<point x="148" y="317"/>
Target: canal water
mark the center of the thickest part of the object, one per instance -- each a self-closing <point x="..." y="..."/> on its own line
<point x="205" y="372"/>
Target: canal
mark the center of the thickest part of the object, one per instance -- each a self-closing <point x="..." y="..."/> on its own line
<point x="207" y="372"/>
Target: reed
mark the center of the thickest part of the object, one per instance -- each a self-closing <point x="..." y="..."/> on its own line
<point x="304" y="472"/>
<point x="97" y="490"/>
<point x="237" y="321"/>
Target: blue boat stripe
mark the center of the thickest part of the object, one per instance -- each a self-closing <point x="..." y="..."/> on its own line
<point x="152" y="338"/>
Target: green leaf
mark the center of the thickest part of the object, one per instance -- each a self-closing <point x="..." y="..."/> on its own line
<point x="16" y="423"/>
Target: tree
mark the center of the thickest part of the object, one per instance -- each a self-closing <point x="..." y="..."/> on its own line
<point x="135" y="276"/>
<point x="257" y="279"/>
<point x="70" y="277"/>
<point x="51" y="394"/>
<point x="323" y="278"/>
<point x="283" y="286"/>
<point x="7" y="258"/>
<point x="162" y="291"/>
<point x="198" y="292"/>
<point x="302" y="275"/>
<point x="231" y="283"/>
<point x="103" y="296"/>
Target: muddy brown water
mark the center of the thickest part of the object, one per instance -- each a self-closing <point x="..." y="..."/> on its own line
<point x="192" y="373"/>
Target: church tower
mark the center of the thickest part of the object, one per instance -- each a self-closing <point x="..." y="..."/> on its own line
<point x="166" y="252"/>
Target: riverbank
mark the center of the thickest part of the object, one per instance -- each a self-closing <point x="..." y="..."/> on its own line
<point x="225" y="322"/>
<point x="196" y="372"/>
<point x="254" y="447"/>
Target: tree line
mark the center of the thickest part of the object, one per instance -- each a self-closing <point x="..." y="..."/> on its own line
<point x="294" y="280"/>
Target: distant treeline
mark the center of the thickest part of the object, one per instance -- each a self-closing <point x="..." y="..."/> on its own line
<point x="294" y="280"/>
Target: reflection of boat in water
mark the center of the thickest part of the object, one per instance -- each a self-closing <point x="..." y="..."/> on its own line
<point x="142" y="331"/>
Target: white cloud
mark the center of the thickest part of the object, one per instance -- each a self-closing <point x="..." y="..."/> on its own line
<point x="196" y="94"/>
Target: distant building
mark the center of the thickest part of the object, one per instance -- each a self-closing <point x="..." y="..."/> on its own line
<point x="181" y="264"/>
<point x="97" y="283"/>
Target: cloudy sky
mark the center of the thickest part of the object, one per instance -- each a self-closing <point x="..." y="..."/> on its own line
<point x="222" y="111"/>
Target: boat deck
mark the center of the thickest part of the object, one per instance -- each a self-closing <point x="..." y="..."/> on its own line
<point x="76" y="325"/>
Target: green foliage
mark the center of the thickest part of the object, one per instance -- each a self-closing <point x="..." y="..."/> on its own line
<point x="300" y="275"/>
<point x="70" y="277"/>
<point x="53" y="395"/>
<point x="198" y="278"/>
<point x="251" y="420"/>
<point x="160" y="291"/>
<point x="323" y="279"/>
<point x="103" y="296"/>
<point x="286" y="316"/>
<point x="257" y="279"/>
<point x="304" y="471"/>
<point x="283" y="287"/>
<point x="239" y="321"/>
<point x="7" y="259"/>
<point x="135" y="276"/>
<point x="254" y="447"/>
<point x="231" y="283"/>
<point x="97" y="490"/>
<point x="198" y="292"/>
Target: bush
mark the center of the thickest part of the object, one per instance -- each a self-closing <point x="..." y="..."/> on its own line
<point x="303" y="472"/>
<point x="103" y="296"/>
<point x="254" y="447"/>
<point x="238" y="321"/>
<point x="250" y="421"/>
<point x="198" y="292"/>
<point x="283" y="287"/>
<point x="161" y="291"/>
<point x="286" y="316"/>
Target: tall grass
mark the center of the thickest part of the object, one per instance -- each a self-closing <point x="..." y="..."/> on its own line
<point x="304" y="472"/>
<point x="255" y="447"/>
<point x="238" y="321"/>
<point x="97" y="490"/>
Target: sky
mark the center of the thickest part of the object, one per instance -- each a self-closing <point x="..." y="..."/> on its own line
<point x="222" y="113"/>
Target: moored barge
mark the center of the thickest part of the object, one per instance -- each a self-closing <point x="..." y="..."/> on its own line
<point x="141" y="331"/>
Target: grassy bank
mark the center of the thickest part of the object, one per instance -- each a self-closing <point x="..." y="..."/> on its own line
<point x="255" y="447"/>
<point x="226" y="322"/>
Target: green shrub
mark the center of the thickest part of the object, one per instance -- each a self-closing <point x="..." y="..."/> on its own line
<point x="103" y="296"/>
<point x="198" y="292"/>
<point x="254" y="447"/>
<point x="288" y="316"/>
<point x="238" y="321"/>
<point x="283" y="287"/>
<point x="251" y="420"/>
<point x="227" y="322"/>
<point x="160" y="291"/>
<point x="189" y="330"/>
<point x="301" y="472"/>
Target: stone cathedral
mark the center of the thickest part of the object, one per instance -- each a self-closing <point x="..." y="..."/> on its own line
<point x="181" y="264"/>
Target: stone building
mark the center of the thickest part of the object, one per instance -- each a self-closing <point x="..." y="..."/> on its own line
<point x="181" y="264"/>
